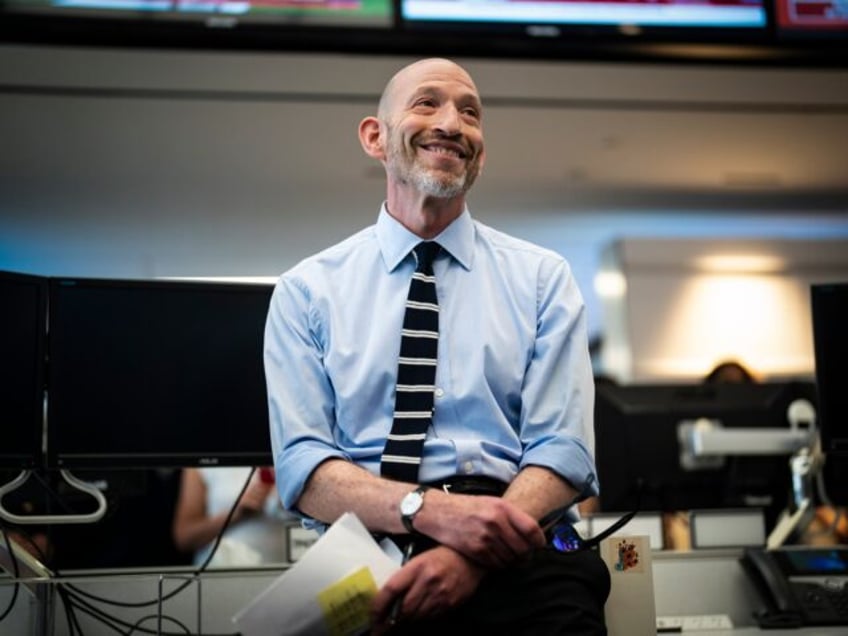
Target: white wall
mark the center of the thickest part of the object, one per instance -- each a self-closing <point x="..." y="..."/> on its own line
<point x="129" y="163"/>
<point x="677" y="307"/>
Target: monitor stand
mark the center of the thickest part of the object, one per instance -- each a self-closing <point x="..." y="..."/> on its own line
<point x="86" y="487"/>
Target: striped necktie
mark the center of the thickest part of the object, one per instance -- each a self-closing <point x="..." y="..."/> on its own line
<point x="416" y="381"/>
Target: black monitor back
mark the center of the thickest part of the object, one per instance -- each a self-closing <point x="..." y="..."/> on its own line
<point x="156" y="373"/>
<point x="638" y="451"/>
<point x="23" y="315"/>
<point x="829" y="304"/>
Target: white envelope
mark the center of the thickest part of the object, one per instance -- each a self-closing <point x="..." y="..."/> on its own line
<point x="290" y="605"/>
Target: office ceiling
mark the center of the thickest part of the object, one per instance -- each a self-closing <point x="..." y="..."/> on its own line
<point x="257" y="129"/>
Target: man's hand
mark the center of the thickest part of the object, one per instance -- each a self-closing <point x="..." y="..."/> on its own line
<point x="489" y="530"/>
<point x="493" y="531"/>
<point x="430" y="584"/>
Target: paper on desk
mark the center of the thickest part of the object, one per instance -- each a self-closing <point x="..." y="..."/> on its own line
<point x="327" y="592"/>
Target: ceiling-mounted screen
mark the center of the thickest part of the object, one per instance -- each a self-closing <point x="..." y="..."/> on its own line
<point x="221" y="13"/>
<point x="812" y="18"/>
<point x="536" y="15"/>
<point x="156" y="373"/>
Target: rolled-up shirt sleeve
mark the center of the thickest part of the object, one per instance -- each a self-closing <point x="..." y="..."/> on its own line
<point x="300" y="397"/>
<point x="514" y="379"/>
<point x="557" y="418"/>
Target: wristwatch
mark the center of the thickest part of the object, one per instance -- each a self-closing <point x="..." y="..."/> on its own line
<point x="410" y="505"/>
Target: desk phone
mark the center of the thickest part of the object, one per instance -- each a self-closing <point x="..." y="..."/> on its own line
<point x="800" y="585"/>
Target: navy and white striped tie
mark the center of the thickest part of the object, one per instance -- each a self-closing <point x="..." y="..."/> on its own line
<point x="419" y="345"/>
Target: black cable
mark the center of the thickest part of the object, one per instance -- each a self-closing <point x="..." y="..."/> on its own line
<point x="75" y="596"/>
<point x="137" y="624"/>
<point x="76" y="602"/>
<point x="15" y="571"/>
<point x="200" y="569"/>
<point x="101" y="616"/>
<point x="65" y="609"/>
<point x="53" y="493"/>
<point x="227" y="521"/>
<point x="70" y="617"/>
<point x="113" y="622"/>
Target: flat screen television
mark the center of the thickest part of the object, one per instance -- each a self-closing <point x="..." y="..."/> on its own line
<point x="638" y="451"/>
<point x="156" y="374"/>
<point x="542" y="18"/>
<point x="829" y="305"/>
<point x="222" y="14"/>
<point x="23" y="318"/>
<point x="811" y="19"/>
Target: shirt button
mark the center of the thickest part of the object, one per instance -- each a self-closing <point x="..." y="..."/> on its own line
<point x="439" y="392"/>
<point x="468" y="467"/>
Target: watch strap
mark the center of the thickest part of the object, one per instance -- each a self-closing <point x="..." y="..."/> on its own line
<point x="407" y="519"/>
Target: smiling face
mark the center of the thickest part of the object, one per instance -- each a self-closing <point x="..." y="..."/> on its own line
<point x="431" y="125"/>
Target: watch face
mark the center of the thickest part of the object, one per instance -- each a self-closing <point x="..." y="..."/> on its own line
<point x="411" y="503"/>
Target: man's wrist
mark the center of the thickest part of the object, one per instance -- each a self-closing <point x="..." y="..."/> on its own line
<point x="410" y="506"/>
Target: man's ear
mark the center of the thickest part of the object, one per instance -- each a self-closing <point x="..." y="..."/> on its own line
<point x="371" y="139"/>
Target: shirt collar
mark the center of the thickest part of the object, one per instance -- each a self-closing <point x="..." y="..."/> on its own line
<point x="396" y="242"/>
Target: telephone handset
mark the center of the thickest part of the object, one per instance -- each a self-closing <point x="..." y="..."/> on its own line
<point x="800" y="585"/>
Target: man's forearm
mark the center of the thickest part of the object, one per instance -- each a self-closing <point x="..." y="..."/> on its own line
<point x="489" y="530"/>
<point x="537" y="491"/>
<point x="338" y="486"/>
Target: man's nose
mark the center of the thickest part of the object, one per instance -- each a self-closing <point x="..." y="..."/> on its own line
<point x="448" y="120"/>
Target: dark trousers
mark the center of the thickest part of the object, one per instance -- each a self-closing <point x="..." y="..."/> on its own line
<point x="549" y="594"/>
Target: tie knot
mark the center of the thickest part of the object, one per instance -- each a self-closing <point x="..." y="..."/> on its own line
<point x="425" y="252"/>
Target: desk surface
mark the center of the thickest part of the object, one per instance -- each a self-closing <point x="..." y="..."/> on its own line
<point x="836" y="630"/>
<point x="711" y="582"/>
<point x="698" y="583"/>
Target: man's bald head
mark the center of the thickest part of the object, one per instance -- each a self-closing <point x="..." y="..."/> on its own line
<point x="413" y="74"/>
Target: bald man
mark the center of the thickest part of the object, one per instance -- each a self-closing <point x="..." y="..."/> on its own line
<point x="509" y="435"/>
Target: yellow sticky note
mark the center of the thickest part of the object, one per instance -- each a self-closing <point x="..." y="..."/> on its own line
<point x="346" y="603"/>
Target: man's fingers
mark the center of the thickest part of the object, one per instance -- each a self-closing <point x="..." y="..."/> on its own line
<point x="508" y="534"/>
<point x="389" y="595"/>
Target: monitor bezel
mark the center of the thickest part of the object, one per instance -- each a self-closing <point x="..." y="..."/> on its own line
<point x="58" y="456"/>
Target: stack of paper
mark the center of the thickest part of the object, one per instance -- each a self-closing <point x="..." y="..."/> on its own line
<point x="327" y="592"/>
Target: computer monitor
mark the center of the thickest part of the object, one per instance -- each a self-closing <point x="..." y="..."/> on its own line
<point x="829" y="304"/>
<point x="638" y="450"/>
<point x="811" y="20"/>
<point x="156" y="374"/>
<point x="214" y="14"/>
<point x="23" y="317"/>
<point x="543" y="18"/>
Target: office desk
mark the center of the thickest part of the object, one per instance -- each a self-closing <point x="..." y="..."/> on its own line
<point x="685" y="584"/>
<point x="756" y="631"/>
<point x="710" y="582"/>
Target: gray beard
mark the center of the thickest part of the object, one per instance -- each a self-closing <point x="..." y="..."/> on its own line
<point x="407" y="171"/>
<point x="427" y="183"/>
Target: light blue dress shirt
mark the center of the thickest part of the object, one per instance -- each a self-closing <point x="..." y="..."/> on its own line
<point x="514" y="379"/>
